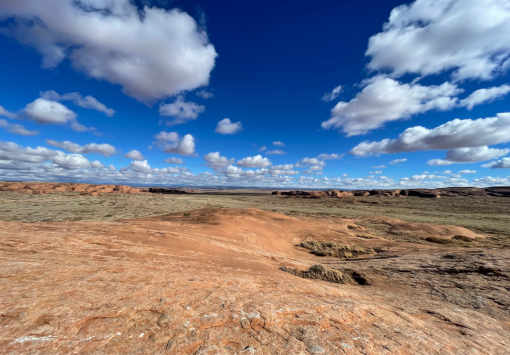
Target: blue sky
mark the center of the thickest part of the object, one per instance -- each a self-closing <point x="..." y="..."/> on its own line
<point x="109" y="90"/>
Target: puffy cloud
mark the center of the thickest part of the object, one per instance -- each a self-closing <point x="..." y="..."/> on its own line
<point x="500" y="164"/>
<point x="134" y="154"/>
<point x="451" y="135"/>
<point x="254" y="162"/>
<point x="309" y="162"/>
<point x="15" y="128"/>
<point x="276" y="151"/>
<point x="75" y="126"/>
<point x="227" y="127"/>
<point x="181" y="111"/>
<point x="330" y="156"/>
<point x="262" y="149"/>
<point x="397" y="161"/>
<point x="143" y="167"/>
<point x="173" y="160"/>
<point x="285" y="169"/>
<point x="467" y="172"/>
<point x="490" y="181"/>
<point x="183" y="146"/>
<point x="104" y="149"/>
<point x="14" y="153"/>
<point x="485" y="95"/>
<point x="5" y="113"/>
<point x="469" y="155"/>
<point x="313" y="170"/>
<point x="167" y="137"/>
<point x="140" y="166"/>
<point x="85" y="102"/>
<point x="423" y="177"/>
<point x="431" y="36"/>
<point x="279" y="144"/>
<point x="376" y="172"/>
<point x="71" y="161"/>
<point x="49" y="112"/>
<point x="215" y="161"/>
<point x="379" y="167"/>
<point x="204" y="94"/>
<point x="330" y="96"/>
<point x="96" y="164"/>
<point x="152" y="53"/>
<point x="384" y="99"/>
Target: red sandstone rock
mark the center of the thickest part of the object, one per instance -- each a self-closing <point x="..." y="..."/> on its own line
<point x="42" y="188"/>
<point x="209" y="283"/>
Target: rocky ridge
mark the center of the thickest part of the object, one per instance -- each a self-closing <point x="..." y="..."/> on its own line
<point x="499" y="191"/>
<point x="44" y="188"/>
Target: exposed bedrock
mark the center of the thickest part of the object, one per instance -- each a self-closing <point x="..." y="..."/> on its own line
<point x="498" y="191"/>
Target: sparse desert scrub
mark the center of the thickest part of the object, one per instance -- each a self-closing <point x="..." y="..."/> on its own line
<point x="334" y="249"/>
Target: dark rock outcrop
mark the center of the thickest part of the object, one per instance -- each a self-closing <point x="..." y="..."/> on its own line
<point x="158" y="190"/>
<point x="498" y="191"/>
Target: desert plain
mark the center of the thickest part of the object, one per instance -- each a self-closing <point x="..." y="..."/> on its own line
<point x="90" y="269"/>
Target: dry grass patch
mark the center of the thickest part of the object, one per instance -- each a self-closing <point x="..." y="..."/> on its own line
<point x="334" y="249"/>
<point x="319" y="272"/>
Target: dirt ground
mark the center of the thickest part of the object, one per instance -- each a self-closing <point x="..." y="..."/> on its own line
<point x="485" y="215"/>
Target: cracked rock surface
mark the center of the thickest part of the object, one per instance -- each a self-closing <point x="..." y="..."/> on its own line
<point x="210" y="283"/>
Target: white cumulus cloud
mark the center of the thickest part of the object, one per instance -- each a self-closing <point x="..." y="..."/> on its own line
<point x="173" y="160"/>
<point x="469" y="155"/>
<point x="225" y="126"/>
<point x="481" y="96"/>
<point x="500" y="164"/>
<point x="152" y="53"/>
<point x="103" y="149"/>
<point x="49" y="112"/>
<point x="135" y="155"/>
<point x="215" y="160"/>
<point x="432" y="36"/>
<point x="451" y="135"/>
<point x="15" y="128"/>
<point x="279" y="144"/>
<point x="310" y="162"/>
<point x="167" y="136"/>
<point x="384" y="99"/>
<point x="181" y="111"/>
<point x="182" y="146"/>
<point x="330" y="156"/>
<point x="88" y="101"/>
<point x="254" y="162"/>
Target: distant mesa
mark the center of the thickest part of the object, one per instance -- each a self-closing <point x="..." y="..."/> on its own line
<point x="45" y="188"/>
<point x="499" y="191"/>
